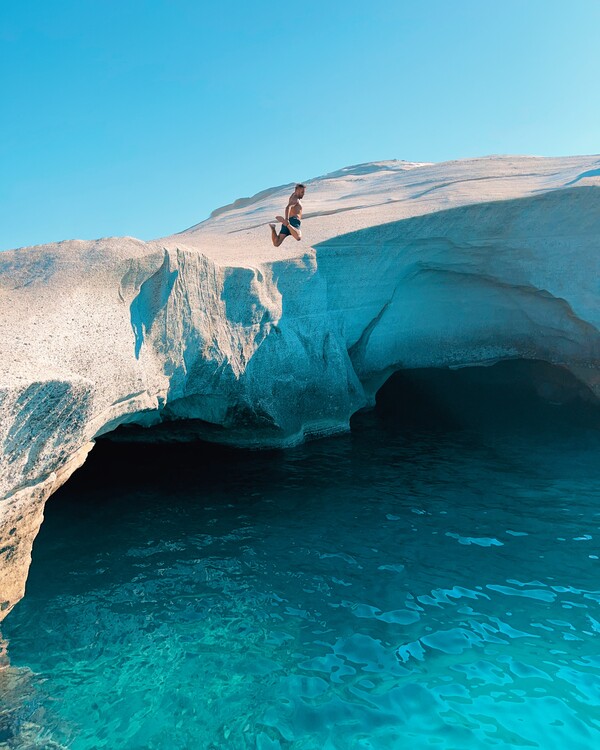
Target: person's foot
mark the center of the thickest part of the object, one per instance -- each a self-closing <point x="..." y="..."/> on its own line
<point x="273" y="227"/>
<point x="281" y="219"/>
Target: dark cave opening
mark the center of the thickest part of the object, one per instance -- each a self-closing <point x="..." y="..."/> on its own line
<point x="510" y="397"/>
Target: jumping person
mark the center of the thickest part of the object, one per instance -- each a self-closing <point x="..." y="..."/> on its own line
<point x="290" y="223"/>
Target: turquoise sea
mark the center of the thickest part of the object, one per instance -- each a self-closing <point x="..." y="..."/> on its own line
<point x="429" y="580"/>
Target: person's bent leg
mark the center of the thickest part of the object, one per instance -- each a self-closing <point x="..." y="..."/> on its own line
<point x="282" y="234"/>
<point x="295" y="233"/>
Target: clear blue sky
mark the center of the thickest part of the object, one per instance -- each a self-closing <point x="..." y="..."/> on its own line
<point x="139" y="117"/>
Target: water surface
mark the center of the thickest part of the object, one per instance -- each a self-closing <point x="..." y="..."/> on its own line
<point x="402" y="586"/>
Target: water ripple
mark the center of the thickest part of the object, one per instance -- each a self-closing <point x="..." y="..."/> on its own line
<point x="365" y="592"/>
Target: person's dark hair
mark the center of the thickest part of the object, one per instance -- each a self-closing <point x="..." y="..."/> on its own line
<point x="300" y="185"/>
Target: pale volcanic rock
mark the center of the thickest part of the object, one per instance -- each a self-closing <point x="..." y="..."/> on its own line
<point x="215" y="333"/>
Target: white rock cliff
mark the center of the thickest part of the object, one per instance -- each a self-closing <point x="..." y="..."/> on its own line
<point x="218" y="333"/>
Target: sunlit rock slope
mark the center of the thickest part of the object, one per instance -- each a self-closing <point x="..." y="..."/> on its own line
<point x="216" y="333"/>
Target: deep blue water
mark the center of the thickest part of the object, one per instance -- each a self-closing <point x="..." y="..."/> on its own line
<point x="408" y="585"/>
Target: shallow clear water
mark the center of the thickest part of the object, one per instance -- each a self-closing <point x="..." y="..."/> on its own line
<point x="391" y="588"/>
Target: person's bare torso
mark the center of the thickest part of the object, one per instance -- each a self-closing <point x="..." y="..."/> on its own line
<point x="295" y="206"/>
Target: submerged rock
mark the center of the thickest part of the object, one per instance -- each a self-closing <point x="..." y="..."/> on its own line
<point x="215" y="333"/>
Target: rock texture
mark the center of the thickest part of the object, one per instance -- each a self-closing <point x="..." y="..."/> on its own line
<point x="214" y="333"/>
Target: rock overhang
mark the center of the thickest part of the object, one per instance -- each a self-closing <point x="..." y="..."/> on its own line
<point x="408" y="266"/>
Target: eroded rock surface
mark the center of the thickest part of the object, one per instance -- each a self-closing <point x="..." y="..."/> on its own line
<point x="401" y="266"/>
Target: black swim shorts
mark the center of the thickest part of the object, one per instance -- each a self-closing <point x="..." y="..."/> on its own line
<point x="294" y="221"/>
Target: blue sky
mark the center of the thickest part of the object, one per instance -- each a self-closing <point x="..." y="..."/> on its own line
<point x="131" y="117"/>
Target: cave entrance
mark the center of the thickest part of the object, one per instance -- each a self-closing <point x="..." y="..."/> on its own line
<point x="511" y="397"/>
<point x="513" y="394"/>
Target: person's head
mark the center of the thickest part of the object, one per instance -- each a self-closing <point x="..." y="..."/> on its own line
<point x="300" y="188"/>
